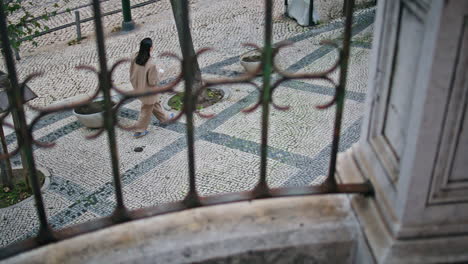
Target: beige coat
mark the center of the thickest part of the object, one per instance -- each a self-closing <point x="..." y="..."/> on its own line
<point x="144" y="79"/>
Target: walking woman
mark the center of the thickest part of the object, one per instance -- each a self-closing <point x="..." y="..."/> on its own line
<point x="144" y="78"/>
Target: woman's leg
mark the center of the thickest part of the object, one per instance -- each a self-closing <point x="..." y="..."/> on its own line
<point x="144" y="119"/>
<point x="159" y="113"/>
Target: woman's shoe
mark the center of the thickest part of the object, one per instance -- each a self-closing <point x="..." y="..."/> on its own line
<point x="140" y="134"/>
<point x="169" y="119"/>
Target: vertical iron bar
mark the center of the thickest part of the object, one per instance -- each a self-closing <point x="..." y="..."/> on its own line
<point x="192" y="198"/>
<point x="78" y="25"/>
<point x="311" y="13"/>
<point x="185" y="38"/>
<point x="126" y="10"/>
<point x="286" y="8"/>
<point x="120" y="213"/>
<point x="262" y="187"/>
<point x="5" y="164"/>
<point x="17" y="54"/>
<point x="16" y="50"/>
<point x="344" y="58"/>
<point x="127" y="23"/>
<point x="15" y="97"/>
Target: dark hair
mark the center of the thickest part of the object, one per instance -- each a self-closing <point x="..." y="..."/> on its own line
<point x="144" y="52"/>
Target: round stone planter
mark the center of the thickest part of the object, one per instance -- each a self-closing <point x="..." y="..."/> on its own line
<point x="227" y="95"/>
<point x="251" y="66"/>
<point x="95" y="120"/>
<point x="44" y="187"/>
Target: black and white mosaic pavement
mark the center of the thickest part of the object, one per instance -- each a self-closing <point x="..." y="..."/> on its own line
<point x="227" y="146"/>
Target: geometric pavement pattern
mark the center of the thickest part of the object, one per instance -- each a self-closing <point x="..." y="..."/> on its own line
<point x="227" y="147"/>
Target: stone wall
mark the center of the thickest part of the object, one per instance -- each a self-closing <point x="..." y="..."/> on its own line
<point x="317" y="229"/>
<point x="413" y="145"/>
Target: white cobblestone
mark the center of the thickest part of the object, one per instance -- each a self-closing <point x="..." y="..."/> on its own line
<point x="88" y="161"/>
<point x="302" y="129"/>
<point x="226" y="148"/>
<point x="20" y="220"/>
<point x="219" y="170"/>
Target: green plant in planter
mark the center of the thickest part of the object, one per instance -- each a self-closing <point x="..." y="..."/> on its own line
<point x="91" y="115"/>
<point x="19" y="189"/>
<point x="176" y="102"/>
<point x="92" y="108"/>
<point x="253" y="58"/>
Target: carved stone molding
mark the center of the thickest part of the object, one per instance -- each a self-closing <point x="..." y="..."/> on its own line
<point x="397" y="70"/>
<point x="418" y="7"/>
<point x="450" y="172"/>
<point x="416" y="141"/>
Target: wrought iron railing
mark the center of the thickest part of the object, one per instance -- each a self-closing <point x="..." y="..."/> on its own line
<point x="121" y="214"/>
<point x="81" y="21"/>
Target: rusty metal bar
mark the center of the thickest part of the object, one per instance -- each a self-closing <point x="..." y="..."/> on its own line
<point x="85" y="20"/>
<point x="286" y="8"/>
<point x="192" y="198"/>
<point x="15" y="96"/>
<point x="340" y="92"/>
<point x="311" y="13"/>
<point x="25" y="138"/>
<point x="78" y="25"/>
<point x="5" y="164"/>
<point x="267" y="52"/>
<point x="120" y="213"/>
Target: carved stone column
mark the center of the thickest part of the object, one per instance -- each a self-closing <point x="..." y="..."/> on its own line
<point x="414" y="144"/>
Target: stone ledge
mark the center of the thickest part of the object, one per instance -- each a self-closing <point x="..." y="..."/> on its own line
<point x="320" y="229"/>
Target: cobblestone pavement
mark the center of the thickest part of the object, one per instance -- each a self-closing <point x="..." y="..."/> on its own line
<point x="66" y="14"/>
<point x="227" y="146"/>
